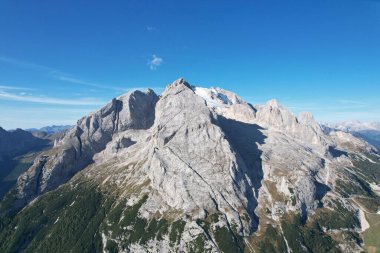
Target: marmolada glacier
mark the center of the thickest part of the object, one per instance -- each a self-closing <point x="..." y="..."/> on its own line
<point x="194" y="170"/>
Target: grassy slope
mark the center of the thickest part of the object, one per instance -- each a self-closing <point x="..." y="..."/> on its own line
<point x="372" y="234"/>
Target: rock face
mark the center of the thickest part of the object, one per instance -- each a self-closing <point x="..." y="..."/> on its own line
<point x="134" y="110"/>
<point x="195" y="170"/>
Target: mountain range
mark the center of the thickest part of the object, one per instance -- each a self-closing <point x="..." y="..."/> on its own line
<point x="369" y="131"/>
<point x="196" y="170"/>
<point x="50" y="129"/>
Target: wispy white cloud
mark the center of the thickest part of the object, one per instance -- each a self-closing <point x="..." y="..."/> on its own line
<point x="151" y="28"/>
<point x="25" y="64"/>
<point x="57" y="74"/>
<point x="70" y="79"/>
<point x="155" y="62"/>
<point x="48" y="100"/>
<point x="9" y="87"/>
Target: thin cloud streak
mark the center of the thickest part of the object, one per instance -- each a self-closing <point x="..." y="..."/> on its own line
<point x="48" y="100"/>
<point x="86" y="83"/>
<point x="8" y="87"/>
<point x="65" y="77"/>
<point x="56" y="74"/>
<point x="28" y="65"/>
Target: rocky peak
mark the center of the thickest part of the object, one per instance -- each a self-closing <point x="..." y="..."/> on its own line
<point x="272" y="114"/>
<point x="273" y="103"/>
<point x="134" y="110"/>
<point x="306" y="118"/>
<point x="305" y="128"/>
<point x="178" y="83"/>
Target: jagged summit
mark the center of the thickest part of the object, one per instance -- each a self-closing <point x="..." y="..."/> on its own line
<point x="195" y="168"/>
<point x="274" y="103"/>
<point x="179" y="82"/>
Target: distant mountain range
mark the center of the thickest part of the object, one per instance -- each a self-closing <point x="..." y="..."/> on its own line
<point x="50" y="129"/>
<point x="369" y="131"/>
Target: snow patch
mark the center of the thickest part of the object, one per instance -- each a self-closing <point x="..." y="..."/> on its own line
<point x="207" y="94"/>
<point x="217" y="97"/>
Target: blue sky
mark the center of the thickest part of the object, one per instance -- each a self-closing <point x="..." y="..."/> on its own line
<point x="59" y="60"/>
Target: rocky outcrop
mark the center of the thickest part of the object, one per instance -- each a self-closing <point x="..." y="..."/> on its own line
<point x="275" y="116"/>
<point x="190" y="149"/>
<point x="134" y="110"/>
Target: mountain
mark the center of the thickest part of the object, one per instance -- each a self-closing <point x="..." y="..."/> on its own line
<point x="17" y="141"/>
<point x="369" y="131"/>
<point x="17" y="152"/>
<point x="48" y="130"/>
<point x="196" y="170"/>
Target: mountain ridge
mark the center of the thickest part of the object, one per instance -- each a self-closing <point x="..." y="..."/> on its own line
<point x="53" y="129"/>
<point x="199" y="170"/>
<point x="368" y="131"/>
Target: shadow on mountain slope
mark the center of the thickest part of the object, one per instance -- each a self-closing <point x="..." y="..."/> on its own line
<point x="18" y="149"/>
<point x="336" y="152"/>
<point x="244" y="138"/>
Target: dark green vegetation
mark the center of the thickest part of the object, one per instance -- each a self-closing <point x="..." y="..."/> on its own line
<point x="126" y="227"/>
<point x="338" y="217"/>
<point x="314" y="235"/>
<point x="371" y="205"/>
<point x="369" y="171"/>
<point x="272" y="241"/>
<point x="52" y="224"/>
<point x="176" y="231"/>
<point x="228" y="240"/>
<point x="226" y="237"/>
<point x="72" y="219"/>
<point x="357" y="179"/>
<point x="309" y="236"/>
<point x="198" y="245"/>
<point x="356" y="187"/>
